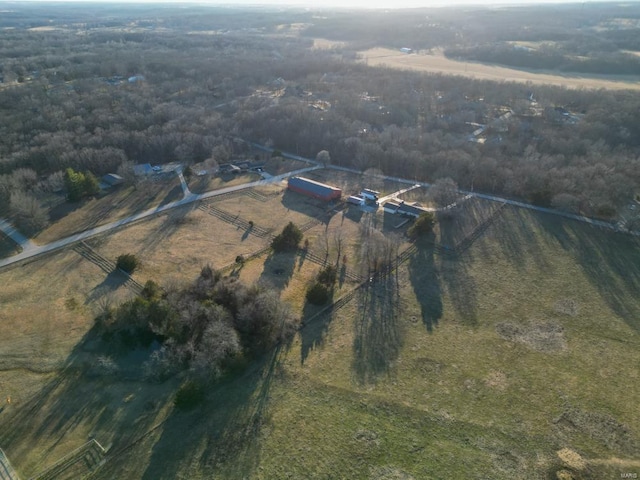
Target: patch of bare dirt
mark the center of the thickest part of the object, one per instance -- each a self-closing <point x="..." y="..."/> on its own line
<point x="567" y="306"/>
<point x="545" y="337"/>
<point x="390" y="473"/>
<point x="602" y="428"/>
<point x="496" y="379"/>
<point x="571" y="459"/>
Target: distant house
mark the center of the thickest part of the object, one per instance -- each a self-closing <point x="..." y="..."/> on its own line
<point x="411" y="210"/>
<point x="370" y="195"/>
<point x="229" y="168"/>
<point x="355" y="200"/>
<point x="391" y="207"/>
<point x="136" y="79"/>
<point x="406" y="50"/>
<point x="142" y="169"/>
<point x="314" y="189"/>
<point x="405" y="209"/>
<point x="111" y="180"/>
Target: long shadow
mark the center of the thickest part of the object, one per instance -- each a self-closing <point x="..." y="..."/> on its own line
<point x="303" y="204"/>
<point x="172" y="195"/>
<point x="456" y="277"/>
<point x="223" y="436"/>
<point x="110" y="284"/>
<point x="515" y="233"/>
<point x="425" y="280"/>
<point x="315" y="329"/>
<point x="611" y="262"/>
<point x="76" y="397"/>
<point x="378" y="337"/>
<point x="278" y="269"/>
<point x="173" y="221"/>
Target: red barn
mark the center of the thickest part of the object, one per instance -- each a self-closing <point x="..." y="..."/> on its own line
<point x="314" y="189"/>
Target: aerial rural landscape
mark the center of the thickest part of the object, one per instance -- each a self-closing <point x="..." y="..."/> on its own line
<point x="290" y="243"/>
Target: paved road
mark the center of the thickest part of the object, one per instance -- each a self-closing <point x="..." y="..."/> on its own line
<point x="395" y="194"/>
<point x="10" y="231"/>
<point x="34" y="250"/>
<point x="30" y="250"/>
<point x="492" y="198"/>
<point x="183" y="183"/>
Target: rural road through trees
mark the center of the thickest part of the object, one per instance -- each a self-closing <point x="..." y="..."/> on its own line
<point x="492" y="198"/>
<point x="30" y="249"/>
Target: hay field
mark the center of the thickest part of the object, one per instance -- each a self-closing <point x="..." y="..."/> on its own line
<point x="177" y="244"/>
<point x="438" y="63"/>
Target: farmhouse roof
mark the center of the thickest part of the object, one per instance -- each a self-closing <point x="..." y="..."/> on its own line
<point x="313" y="187"/>
<point x="112" y="179"/>
<point x="143" y="169"/>
<point x="413" y="210"/>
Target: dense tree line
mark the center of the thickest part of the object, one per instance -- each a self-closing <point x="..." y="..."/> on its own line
<point x="77" y="109"/>
<point x="205" y="327"/>
<point x="550" y="58"/>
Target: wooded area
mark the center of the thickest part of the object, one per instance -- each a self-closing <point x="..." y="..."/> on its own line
<point x="179" y="85"/>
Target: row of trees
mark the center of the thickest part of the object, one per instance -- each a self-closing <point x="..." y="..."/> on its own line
<point x="198" y="90"/>
<point x="549" y="58"/>
<point x="205" y="327"/>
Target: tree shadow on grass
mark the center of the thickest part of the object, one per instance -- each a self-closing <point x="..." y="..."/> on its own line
<point x="172" y="195"/>
<point x="223" y="435"/>
<point x="425" y="280"/>
<point x="173" y="221"/>
<point x="610" y="260"/>
<point x="515" y="232"/>
<point x="456" y="278"/>
<point x="112" y="282"/>
<point x="378" y="337"/>
<point x="82" y="395"/>
<point x="278" y="269"/>
<point x="316" y="324"/>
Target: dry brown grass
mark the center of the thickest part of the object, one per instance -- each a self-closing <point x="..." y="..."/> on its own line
<point x="365" y="391"/>
<point x="69" y="218"/>
<point x="438" y="63"/>
<point x="206" y="183"/>
<point x="177" y="244"/>
<point x="47" y="308"/>
<point x="325" y="44"/>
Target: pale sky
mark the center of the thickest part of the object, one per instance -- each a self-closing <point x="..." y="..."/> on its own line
<point x="378" y="4"/>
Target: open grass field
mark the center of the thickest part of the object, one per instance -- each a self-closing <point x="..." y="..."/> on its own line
<point x="438" y="63"/>
<point x="176" y="245"/>
<point x="516" y="359"/>
<point x="68" y="218"/>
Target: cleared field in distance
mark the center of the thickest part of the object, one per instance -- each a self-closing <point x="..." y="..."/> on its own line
<point x="438" y="63"/>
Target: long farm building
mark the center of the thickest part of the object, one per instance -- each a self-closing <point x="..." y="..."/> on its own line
<point x="314" y="189"/>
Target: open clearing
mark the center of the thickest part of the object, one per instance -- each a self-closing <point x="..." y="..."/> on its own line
<point x="438" y="63"/>
<point x="516" y="358"/>
<point x="68" y="218"/>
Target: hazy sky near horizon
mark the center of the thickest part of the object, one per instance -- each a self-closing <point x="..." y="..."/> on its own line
<point x="378" y="4"/>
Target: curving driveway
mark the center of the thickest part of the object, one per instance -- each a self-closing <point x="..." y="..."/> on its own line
<point x="31" y="250"/>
